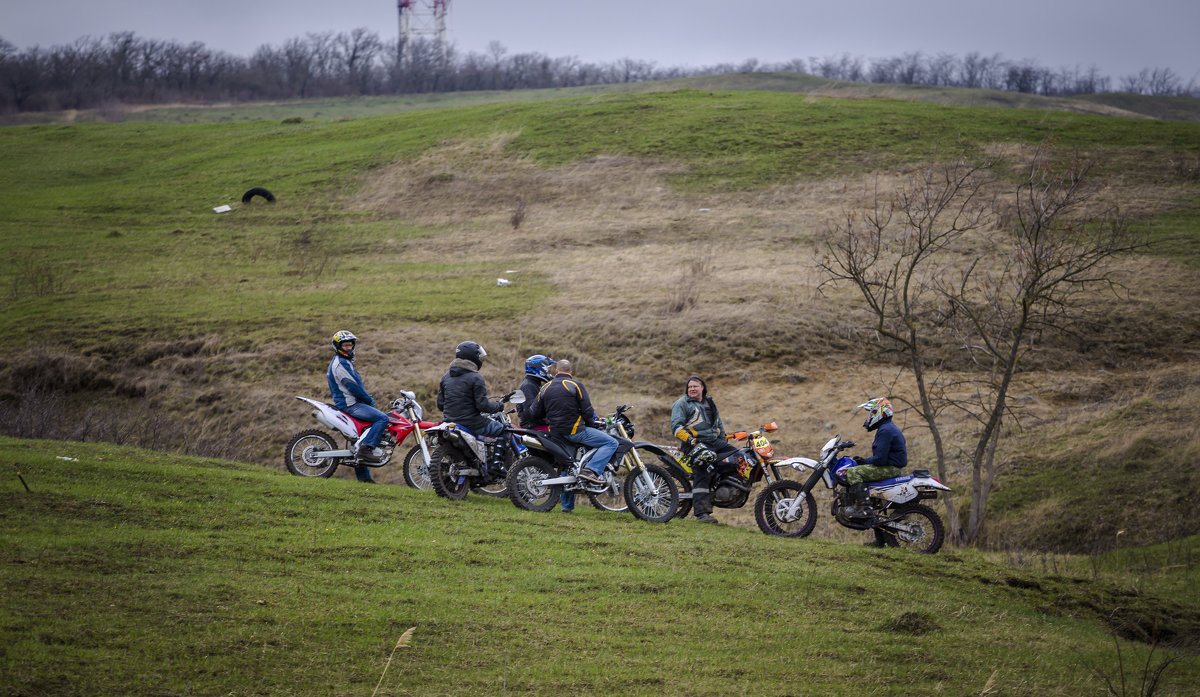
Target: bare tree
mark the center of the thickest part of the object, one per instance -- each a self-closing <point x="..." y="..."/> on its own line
<point x="905" y="258"/>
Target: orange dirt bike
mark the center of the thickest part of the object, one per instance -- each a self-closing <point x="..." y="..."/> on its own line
<point x="734" y="477"/>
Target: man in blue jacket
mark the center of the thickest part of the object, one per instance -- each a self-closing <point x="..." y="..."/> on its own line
<point x="889" y="456"/>
<point x="351" y="397"/>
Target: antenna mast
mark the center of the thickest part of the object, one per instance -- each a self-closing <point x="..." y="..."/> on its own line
<point x="422" y="18"/>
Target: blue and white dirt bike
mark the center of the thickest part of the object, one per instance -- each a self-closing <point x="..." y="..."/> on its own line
<point x="787" y="508"/>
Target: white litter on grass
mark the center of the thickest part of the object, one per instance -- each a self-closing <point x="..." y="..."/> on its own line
<point x="222" y="209"/>
<point x="705" y="210"/>
<point x="68" y="459"/>
<point x="503" y="282"/>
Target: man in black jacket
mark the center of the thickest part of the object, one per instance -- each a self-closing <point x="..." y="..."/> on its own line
<point x="462" y="394"/>
<point x="567" y="409"/>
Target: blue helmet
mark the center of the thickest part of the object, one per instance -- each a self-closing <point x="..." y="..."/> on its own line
<point x="538" y="366"/>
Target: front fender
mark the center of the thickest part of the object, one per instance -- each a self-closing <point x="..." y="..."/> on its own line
<point x="798" y="463"/>
<point x="665" y="458"/>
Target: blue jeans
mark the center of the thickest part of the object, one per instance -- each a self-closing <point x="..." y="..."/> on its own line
<point x="491" y="429"/>
<point x="366" y="412"/>
<point x="604" y="444"/>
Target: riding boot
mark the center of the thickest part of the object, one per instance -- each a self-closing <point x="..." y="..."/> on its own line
<point x="702" y="495"/>
<point x="860" y="501"/>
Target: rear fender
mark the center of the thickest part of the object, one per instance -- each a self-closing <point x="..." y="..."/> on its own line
<point x="330" y="417"/>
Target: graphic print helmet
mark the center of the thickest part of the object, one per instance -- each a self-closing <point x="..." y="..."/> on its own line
<point x="340" y="338"/>
<point x="878" y="409"/>
<point x="538" y="366"/>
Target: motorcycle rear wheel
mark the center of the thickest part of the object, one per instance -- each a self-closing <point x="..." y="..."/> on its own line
<point x="298" y="455"/>
<point x="499" y="487"/>
<point x="927" y="533"/>
<point x="771" y="506"/>
<point x="656" y="502"/>
<point x="525" y="488"/>
<point x="443" y="458"/>
<point x="416" y="470"/>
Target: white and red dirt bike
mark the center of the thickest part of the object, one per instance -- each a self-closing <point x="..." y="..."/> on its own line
<point x="315" y="453"/>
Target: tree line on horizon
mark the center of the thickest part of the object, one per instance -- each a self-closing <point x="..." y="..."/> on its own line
<point x="123" y="68"/>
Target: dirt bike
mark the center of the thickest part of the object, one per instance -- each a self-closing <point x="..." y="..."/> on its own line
<point x="464" y="462"/>
<point x="315" y="453"/>
<point x="732" y="479"/>
<point x="552" y="465"/>
<point x="787" y="508"/>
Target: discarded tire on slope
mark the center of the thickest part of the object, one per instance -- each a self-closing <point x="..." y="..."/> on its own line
<point x="258" y="191"/>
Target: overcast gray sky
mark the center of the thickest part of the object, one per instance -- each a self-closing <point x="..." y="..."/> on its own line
<point x="1120" y="37"/>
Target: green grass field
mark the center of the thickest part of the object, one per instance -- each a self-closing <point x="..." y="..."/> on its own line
<point x="129" y="572"/>
<point x="132" y="313"/>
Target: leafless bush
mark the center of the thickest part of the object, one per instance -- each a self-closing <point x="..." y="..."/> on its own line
<point x="34" y="277"/>
<point x="1187" y="168"/>
<point x="1119" y="679"/>
<point x="518" y="214"/>
<point x="311" y="256"/>
<point x="695" y="272"/>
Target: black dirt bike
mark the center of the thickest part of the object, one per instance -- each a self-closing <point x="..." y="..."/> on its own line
<point x="463" y="461"/>
<point x="552" y="465"/>
<point x="733" y="478"/>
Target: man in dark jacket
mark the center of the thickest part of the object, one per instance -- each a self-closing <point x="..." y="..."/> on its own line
<point x="462" y="394"/>
<point x="889" y="457"/>
<point x="537" y="373"/>
<point x="696" y="421"/>
<point x="564" y="404"/>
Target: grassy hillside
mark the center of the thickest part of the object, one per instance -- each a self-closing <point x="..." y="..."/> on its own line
<point x="1108" y="104"/>
<point x="134" y="572"/>
<point x="133" y="308"/>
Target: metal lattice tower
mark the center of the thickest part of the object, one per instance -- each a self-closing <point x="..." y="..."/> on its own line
<point x="422" y="18"/>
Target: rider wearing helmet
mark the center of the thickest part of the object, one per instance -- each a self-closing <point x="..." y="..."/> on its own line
<point x="350" y="396"/>
<point x="462" y="394"/>
<point x="889" y="456"/>
<point x="696" y="421"/>
<point x="565" y="405"/>
<point x="537" y="373"/>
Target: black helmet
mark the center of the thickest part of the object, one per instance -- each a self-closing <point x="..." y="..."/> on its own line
<point x="471" y="351"/>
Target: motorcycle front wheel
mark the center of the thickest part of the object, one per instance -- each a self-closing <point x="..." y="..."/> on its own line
<point x="917" y="528"/>
<point x="525" y="488"/>
<point x="610" y="500"/>
<point x="652" y="495"/>
<point x="299" y="455"/>
<point x="416" y="470"/>
<point x="443" y="458"/>
<point x="772" y="506"/>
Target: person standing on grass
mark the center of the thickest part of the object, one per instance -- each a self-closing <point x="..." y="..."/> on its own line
<point x="696" y="421"/>
<point x="351" y="396"/>
<point x="564" y="404"/>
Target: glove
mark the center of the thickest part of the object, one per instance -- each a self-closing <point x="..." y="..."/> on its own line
<point x="858" y="460"/>
<point x="370" y="401"/>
